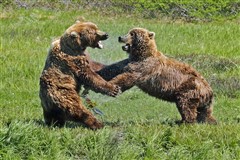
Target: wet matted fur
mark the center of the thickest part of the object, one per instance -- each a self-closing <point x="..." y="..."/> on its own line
<point x="67" y="68"/>
<point x="161" y="77"/>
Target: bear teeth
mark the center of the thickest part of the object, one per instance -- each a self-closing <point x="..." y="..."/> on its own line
<point x="100" y="44"/>
<point x="126" y="47"/>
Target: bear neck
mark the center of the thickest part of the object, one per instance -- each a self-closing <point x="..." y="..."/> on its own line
<point x="68" y="49"/>
<point x="141" y="52"/>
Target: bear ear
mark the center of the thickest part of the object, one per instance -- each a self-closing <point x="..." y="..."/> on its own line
<point x="74" y="34"/>
<point x="77" y="21"/>
<point x="80" y="19"/>
<point x="151" y="35"/>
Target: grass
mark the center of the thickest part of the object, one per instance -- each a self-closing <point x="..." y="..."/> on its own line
<point x="137" y="126"/>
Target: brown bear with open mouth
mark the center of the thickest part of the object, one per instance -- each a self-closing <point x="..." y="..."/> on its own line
<point x="161" y="77"/>
<point x="67" y="68"/>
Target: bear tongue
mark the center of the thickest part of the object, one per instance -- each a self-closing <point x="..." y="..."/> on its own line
<point x="100" y="45"/>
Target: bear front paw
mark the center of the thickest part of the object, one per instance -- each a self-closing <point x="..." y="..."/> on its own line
<point x="116" y="91"/>
<point x="96" y="125"/>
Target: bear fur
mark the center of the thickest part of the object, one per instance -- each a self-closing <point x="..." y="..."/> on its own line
<point x="67" y="68"/>
<point x="161" y="77"/>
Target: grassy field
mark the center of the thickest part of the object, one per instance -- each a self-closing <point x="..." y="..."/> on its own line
<point x="137" y="126"/>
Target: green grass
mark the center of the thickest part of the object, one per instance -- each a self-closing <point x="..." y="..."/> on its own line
<point x="137" y="126"/>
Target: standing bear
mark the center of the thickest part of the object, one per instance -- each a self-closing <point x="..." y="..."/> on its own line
<point x="161" y="77"/>
<point x="67" y="68"/>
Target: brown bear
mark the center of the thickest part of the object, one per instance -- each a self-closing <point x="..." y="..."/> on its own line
<point x="161" y="77"/>
<point x="67" y="68"/>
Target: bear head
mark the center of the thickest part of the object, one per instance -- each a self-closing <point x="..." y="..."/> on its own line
<point x="139" y="43"/>
<point x="81" y="35"/>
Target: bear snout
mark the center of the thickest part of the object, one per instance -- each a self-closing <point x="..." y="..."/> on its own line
<point x="122" y="39"/>
<point x="119" y="39"/>
<point x="105" y="36"/>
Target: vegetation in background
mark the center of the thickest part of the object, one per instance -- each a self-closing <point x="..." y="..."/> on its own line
<point x="187" y="10"/>
<point x="137" y="126"/>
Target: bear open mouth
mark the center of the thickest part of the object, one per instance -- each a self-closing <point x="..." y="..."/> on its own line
<point x="126" y="48"/>
<point x="99" y="45"/>
<point x="102" y="36"/>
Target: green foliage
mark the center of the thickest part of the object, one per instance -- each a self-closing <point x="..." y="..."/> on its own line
<point x="187" y="10"/>
<point x="191" y="10"/>
<point x="137" y="126"/>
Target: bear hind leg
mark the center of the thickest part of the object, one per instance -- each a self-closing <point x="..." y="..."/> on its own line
<point x="54" y="118"/>
<point x="188" y="112"/>
<point x="205" y="115"/>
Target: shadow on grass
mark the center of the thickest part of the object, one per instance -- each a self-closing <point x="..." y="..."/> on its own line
<point x="41" y="123"/>
<point x="113" y="124"/>
<point x="168" y="122"/>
